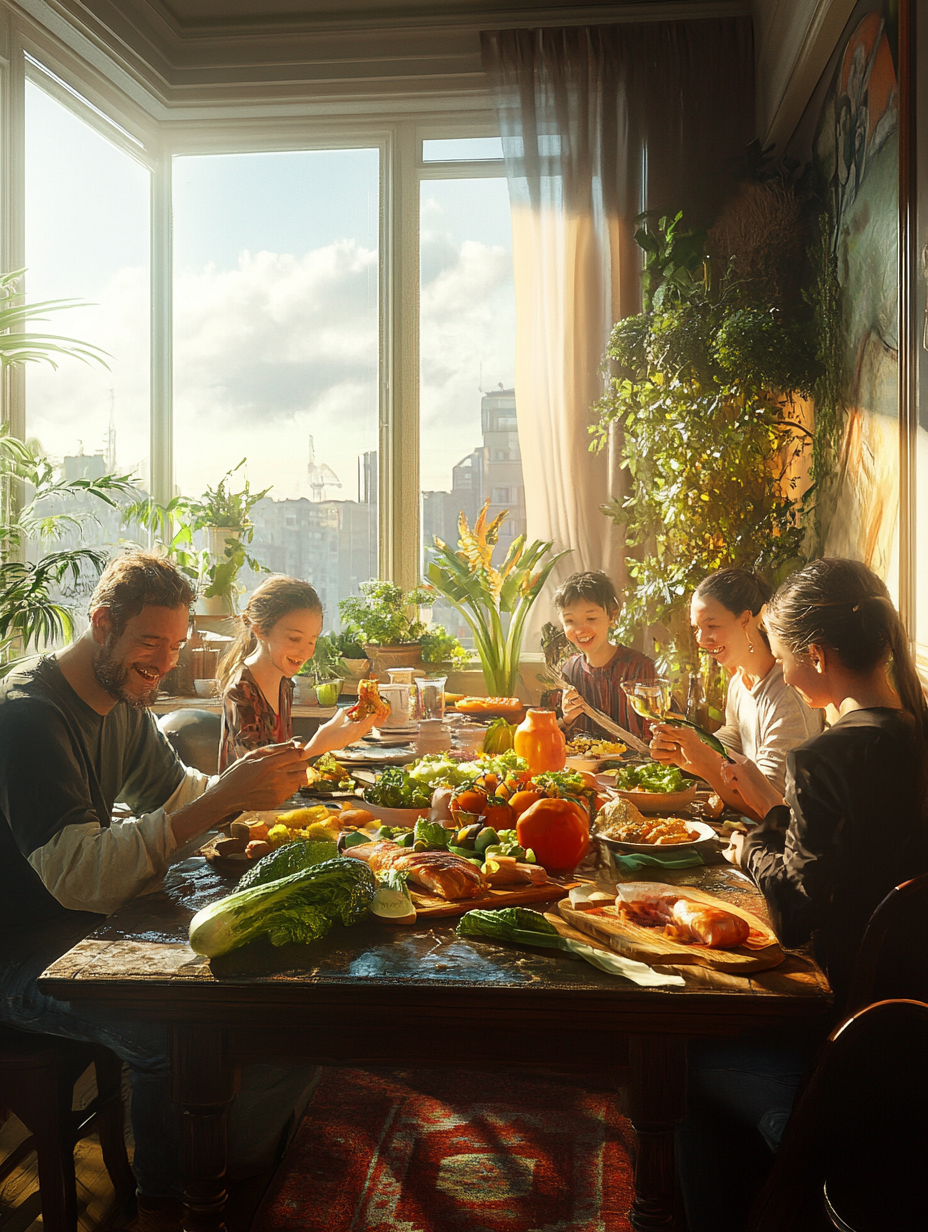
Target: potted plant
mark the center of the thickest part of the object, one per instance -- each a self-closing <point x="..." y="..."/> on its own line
<point x="322" y="674"/>
<point x="355" y="662"/>
<point x="224" y="518"/>
<point x="379" y="619"/>
<point x="495" y="601"/>
<point x="442" y="649"/>
<point x="701" y="385"/>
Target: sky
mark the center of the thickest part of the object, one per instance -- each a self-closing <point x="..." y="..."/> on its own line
<point x="275" y="301"/>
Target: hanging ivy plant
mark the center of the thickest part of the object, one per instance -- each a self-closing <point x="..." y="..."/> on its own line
<point x="700" y="385"/>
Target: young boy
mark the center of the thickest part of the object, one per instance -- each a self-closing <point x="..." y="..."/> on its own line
<point x="587" y="605"/>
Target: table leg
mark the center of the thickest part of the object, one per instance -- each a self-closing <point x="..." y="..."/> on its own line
<point x="656" y="1103"/>
<point x="203" y="1084"/>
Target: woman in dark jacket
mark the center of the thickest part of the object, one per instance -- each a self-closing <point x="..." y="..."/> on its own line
<point x="850" y="825"/>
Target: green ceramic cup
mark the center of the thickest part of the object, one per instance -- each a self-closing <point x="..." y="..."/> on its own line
<point x="327" y="692"/>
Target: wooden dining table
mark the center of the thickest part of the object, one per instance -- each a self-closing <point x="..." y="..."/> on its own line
<point x="415" y="996"/>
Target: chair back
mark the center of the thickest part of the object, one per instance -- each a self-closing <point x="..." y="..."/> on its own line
<point x="195" y="735"/>
<point x="858" y="1133"/>
<point x="892" y="961"/>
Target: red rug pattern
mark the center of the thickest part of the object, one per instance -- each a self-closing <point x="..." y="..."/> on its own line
<point x="451" y="1151"/>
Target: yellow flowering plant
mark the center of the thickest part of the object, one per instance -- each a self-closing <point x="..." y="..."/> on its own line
<point x="494" y="600"/>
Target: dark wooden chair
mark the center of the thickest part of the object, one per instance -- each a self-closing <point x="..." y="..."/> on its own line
<point x="37" y="1077"/>
<point x="893" y="958"/>
<point x="853" y="1154"/>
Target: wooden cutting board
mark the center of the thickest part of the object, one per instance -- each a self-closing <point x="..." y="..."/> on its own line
<point x="649" y="945"/>
<point x="430" y="905"/>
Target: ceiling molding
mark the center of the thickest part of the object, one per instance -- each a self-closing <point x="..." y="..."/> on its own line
<point x="795" y="40"/>
<point x="315" y="54"/>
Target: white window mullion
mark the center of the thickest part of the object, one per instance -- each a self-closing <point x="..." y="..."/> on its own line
<point x="399" y="426"/>
<point x="161" y="479"/>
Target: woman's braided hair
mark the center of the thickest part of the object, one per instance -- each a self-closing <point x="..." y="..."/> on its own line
<point x="843" y="605"/>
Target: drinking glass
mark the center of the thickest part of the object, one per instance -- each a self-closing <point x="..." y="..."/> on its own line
<point x="430" y="697"/>
<point x="651" y="701"/>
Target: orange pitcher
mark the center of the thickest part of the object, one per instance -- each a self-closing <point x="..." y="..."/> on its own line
<point x="541" y="742"/>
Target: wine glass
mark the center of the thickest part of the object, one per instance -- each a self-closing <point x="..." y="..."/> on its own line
<point x="651" y="701"/>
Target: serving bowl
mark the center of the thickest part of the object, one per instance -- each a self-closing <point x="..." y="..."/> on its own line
<point x="205" y="688"/>
<point x="650" y="801"/>
<point x="406" y="818"/>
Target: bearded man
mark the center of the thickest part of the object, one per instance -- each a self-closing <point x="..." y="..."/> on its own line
<point x="76" y="736"/>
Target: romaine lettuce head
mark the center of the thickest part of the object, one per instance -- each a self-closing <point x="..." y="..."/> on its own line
<point x="511" y="924"/>
<point x="290" y="858"/>
<point x="301" y="907"/>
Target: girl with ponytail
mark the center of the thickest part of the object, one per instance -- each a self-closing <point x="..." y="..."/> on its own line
<point x="279" y="629"/>
<point x="850" y="825"/>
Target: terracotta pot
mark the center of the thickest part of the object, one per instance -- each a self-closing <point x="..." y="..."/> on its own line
<point x="216" y="605"/>
<point x="384" y="657"/>
<point x="357" y="669"/>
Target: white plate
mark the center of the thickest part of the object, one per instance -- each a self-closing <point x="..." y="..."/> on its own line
<point x="705" y="832"/>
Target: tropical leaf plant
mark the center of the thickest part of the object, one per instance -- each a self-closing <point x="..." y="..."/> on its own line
<point x="34" y="607"/>
<point x="34" y="595"/>
<point x="494" y="600"/>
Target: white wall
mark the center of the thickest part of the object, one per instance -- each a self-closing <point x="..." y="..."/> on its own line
<point x="793" y="41"/>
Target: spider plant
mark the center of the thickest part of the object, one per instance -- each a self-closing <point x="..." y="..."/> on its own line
<point x="495" y="602"/>
<point x="33" y="594"/>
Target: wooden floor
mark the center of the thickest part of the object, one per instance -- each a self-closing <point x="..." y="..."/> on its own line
<point x="19" y="1196"/>
<point x="20" y="1207"/>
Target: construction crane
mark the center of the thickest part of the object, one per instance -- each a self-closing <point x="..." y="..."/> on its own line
<point x="321" y="476"/>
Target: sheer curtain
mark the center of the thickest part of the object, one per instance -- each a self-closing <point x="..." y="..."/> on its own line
<point x="599" y="123"/>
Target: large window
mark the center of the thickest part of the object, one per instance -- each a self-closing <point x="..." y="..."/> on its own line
<point x="87" y="238"/>
<point x="291" y="337"/>
<point x="276" y="351"/>
<point x="469" y="439"/>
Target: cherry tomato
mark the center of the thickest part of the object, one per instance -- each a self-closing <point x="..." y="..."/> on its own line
<point x="470" y="800"/>
<point x="499" y="813"/>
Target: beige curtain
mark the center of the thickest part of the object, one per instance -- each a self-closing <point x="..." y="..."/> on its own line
<point x="599" y="123"/>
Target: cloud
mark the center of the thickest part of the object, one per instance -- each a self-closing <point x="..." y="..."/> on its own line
<point x="281" y="348"/>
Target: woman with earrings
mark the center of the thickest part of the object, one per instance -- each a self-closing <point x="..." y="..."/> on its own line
<point x="851" y="824"/>
<point x="764" y="718"/>
<point x="280" y="627"/>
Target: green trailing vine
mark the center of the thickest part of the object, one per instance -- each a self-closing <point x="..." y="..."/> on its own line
<point x="699" y="385"/>
<point x="825" y="298"/>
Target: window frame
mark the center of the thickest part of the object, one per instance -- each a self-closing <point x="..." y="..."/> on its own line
<point x="398" y="137"/>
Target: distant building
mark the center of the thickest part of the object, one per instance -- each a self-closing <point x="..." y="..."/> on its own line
<point x="493" y="470"/>
<point x="332" y="544"/>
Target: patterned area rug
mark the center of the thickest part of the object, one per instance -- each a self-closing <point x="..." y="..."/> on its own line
<point x="451" y="1151"/>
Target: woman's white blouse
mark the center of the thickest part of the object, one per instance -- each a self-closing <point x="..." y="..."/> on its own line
<point x="766" y="722"/>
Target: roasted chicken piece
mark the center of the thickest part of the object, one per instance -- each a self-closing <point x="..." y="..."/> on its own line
<point x="688" y="921"/>
<point x="442" y="873"/>
<point x="369" y="702"/>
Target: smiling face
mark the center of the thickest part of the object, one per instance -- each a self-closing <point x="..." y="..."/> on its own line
<point x="586" y="626"/>
<point x="131" y="665"/>
<point x="291" y="640"/>
<point x="722" y="633"/>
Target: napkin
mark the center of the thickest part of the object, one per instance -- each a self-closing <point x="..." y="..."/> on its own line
<point x="629" y="861"/>
<point x="628" y="968"/>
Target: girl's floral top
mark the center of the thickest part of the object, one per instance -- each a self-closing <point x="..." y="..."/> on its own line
<point x="248" y="719"/>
